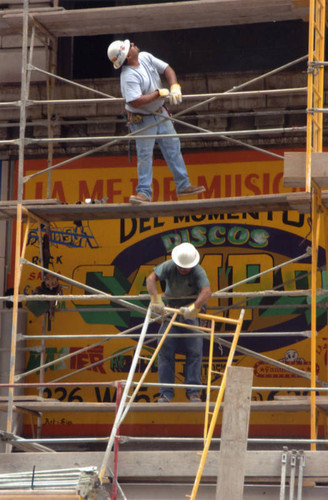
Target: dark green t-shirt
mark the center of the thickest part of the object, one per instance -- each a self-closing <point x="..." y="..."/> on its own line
<point x="181" y="285"/>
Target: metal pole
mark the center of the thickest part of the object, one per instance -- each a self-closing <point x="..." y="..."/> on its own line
<point x="127" y="137"/>
<point x="124" y="397"/>
<point x="218" y="294"/>
<point x="217" y="95"/>
<point x="209" y="378"/>
<point x="71" y="82"/>
<point x="116" y="444"/>
<point x="301" y="461"/>
<point x="291" y="261"/>
<point x="24" y="89"/>
<point x="315" y="237"/>
<point x="149" y="365"/>
<point x="112" y="298"/>
<point x="283" y="474"/>
<point x="293" y="463"/>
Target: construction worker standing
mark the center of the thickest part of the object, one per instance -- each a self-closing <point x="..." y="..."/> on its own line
<point x="184" y="278"/>
<point x="144" y="94"/>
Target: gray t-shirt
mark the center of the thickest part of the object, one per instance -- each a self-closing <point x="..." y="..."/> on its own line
<point x="181" y="285"/>
<point x="141" y="80"/>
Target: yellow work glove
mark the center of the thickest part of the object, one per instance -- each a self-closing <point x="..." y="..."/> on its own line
<point x="175" y="96"/>
<point x="189" y="312"/>
<point x="163" y="92"/>
<point x="157" y="304"/>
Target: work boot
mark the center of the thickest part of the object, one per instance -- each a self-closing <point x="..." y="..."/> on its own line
<point x="163" y="399"/>
<point x="139" y="199"/>
<point x="194" y="398"/>
<point x="192" y="190"/>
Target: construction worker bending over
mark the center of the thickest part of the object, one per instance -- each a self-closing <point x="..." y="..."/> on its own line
<point x="144" y="94"/>
<point x="183" y="277"/>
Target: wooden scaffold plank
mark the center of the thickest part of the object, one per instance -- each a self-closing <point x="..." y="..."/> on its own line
<point x="55" y="212"/>
<point x="232" y="458"/>
<point x="158" y="17"/>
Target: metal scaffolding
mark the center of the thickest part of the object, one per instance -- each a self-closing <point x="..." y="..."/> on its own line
<point x="319" y="214"/>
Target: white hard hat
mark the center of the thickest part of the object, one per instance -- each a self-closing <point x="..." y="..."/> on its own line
<point x="185" y="255"/>
<point x="117" y="52"/>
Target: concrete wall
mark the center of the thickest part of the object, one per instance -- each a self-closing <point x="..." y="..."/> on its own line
<point x="106" y="119"/>
<point x="11" y="44"/>
<point x="11" y="58"/>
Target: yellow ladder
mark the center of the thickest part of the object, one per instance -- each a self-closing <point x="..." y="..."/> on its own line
<point x="127" y="398"/>
<point x="209" y="429"/>
<point x="221" y="319"/>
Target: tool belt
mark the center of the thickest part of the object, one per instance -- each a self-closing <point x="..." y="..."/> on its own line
<point x="133" y="117"/>
<point x="137" y="117"/>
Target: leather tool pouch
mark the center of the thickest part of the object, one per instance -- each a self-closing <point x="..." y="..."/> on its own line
<point x="134" y="117"/>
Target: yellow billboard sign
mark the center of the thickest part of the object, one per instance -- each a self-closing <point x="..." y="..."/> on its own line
<point x="116" y="256"/>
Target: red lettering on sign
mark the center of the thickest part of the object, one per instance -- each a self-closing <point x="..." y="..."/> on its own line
<point x="111" y="191"/>
<point x="58" y="191"/>
<point x="92" y="355"/>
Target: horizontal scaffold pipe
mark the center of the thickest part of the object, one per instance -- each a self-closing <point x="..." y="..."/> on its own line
<point x="21" y="337"/>
<point x="128" y="439"/>
<point x="222" y="295"/>
<point x="190" y="108"/>
<point x="271" y="269"/>
<point x="166" y="439"/>
<point x="123" y="334"/>
<point x="71" y="82"/>
<point x="250" y="353"/>
<point x="88" y="288"/>
<point x="270" y="388"/>
<point x="235" y="88"/>
<point x="9" y="141"/>
<point x="221" y="340"/>
<point x="57" y="120"/>
<point x="190" y="97"/>
<point x="166" y="136"/>
<point x="224" y="137"/>
<point x="317" y="110"/>
<point x="273" y="362"/>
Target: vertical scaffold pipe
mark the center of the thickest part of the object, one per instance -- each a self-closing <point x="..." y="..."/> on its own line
<point x="120" y="410"/>
<point x="24" y="92"/>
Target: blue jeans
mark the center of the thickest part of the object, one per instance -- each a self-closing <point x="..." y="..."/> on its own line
<point x="170" y="148"/>
<point x="193" y="346"/>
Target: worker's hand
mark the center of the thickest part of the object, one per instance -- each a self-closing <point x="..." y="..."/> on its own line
<point x="189" y="312"/>
<point x="175" y="96"/>
<point x="157" y="304"/>
<point x="163" y="92"/>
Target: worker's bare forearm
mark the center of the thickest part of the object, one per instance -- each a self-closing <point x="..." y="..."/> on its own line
<point x="203" y="297"/>
<point x="145" y="99"/>
<point x="170" y="75"/>
<point x="151" y="283"/>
